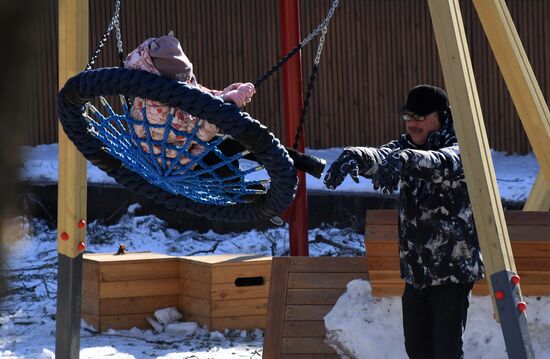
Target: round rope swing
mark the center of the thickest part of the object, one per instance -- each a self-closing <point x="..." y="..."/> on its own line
<point x="209" y="183"/>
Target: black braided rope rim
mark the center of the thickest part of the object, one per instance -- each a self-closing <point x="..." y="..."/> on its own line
<point x="240" y="125"/>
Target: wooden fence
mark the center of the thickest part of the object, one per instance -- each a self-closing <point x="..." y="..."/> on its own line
<point x="375" y="51"/>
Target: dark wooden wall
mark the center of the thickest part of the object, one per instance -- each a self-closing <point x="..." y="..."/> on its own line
<point x="376" y="50"/>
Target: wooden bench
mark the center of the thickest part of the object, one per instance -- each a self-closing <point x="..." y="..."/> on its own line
<point x="303" y="290"/>
<point x="219" y="291"/>
<point x="225" y="290"/>
<point x="121" y="291"/>
<point x="529" y="234"/>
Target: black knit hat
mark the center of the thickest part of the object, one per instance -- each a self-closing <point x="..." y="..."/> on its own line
<point x="425" y="99"/>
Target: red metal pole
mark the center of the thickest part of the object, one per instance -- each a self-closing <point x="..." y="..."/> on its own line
<point x="293" y="103"/>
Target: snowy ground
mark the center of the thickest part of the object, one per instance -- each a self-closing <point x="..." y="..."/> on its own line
<point x="515" y="174"/>
<point x="27" y="326"/>
<point x="363" y="324"/>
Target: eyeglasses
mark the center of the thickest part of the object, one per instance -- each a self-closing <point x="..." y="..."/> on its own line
<point x="408" y="116"/>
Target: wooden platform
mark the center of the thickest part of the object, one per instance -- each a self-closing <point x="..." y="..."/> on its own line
<point x="219" y="291"/>
<point x="303" y="290"/>
<point x="120" y="291"/>
<point x="225" y="291"/>
<point x="529" y="234"/>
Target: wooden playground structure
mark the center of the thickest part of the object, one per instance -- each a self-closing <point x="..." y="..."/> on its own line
<point x="298" y="290"/>
<point x="529" y="236"/>
<point x="217" y="291"/>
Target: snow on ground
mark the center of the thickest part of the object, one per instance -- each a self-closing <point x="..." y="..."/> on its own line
<point x="370" y="327"/>
<point x="27" y="326"/>
<point x="360" y="326"/>
<point x="515" y="174"/>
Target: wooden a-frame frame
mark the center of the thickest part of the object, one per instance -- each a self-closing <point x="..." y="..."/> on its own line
<point x="539" y="198"/>
<point x="474" y="146"/>
<point x="72" y="186"/>
<point x="460" y="84"/>
<point x="524" y="89"/>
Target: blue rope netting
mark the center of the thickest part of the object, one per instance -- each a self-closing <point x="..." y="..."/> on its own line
<point x="201" y="185"/>
<point x="110" y="141"/>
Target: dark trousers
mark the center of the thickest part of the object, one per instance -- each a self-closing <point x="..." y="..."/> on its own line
<point x="434" y="319"/>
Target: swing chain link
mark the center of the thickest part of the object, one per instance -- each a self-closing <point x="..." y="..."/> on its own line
<point x="313" y="75"/>
<point x="114" y="24"/>
<point x="323" y="25"/>
<point x="320" y="28"/>
<point x="320" y="46"/>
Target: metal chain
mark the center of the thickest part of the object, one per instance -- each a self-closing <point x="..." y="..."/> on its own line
<point x="320" y="46"/>
<point x="115" y="23"/>
<point x="322" y="25"/>
<point x="312" y="78"/>
<point x="302" y="44"/>
<point x="309" y="92"/>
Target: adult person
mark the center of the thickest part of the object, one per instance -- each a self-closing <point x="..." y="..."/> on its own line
<point x="440" y="258"/>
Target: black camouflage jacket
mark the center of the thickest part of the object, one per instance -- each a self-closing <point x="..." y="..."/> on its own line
<point x="438" y="243"/>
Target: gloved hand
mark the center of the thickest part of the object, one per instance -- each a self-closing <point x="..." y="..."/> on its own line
<point x="349" y="162"/>
<point x="241" y="95"/>
<point x="388" y="174"/>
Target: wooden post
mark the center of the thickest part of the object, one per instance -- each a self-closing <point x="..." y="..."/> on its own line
<point x="524" y="89"/>
<point x="73" y="56"/>
<point x="293" y="104"/>
<point x="539" y="198"/>
<point x="478" y="164"/>
<point x="519" y="77"/>
<point x="470" y="129"/>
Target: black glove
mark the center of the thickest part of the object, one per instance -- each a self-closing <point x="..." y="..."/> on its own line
<point x="349" y="162"/>
<point x="388" y="174"/>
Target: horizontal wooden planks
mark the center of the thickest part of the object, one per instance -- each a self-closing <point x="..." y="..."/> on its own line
<point x="223" y="273"/>
<point x="220" y="290"/>
<point x="529" y="236"/>
<point x="306" y="346"/>
<point x="134" y="305"/>
<point x="306" y="290"/>
<point x="117" y="322"/>
<point x="129" y="257"/>
<point x="239" y="307"/>
<point x="323" y="280"/>
<point x="223" y="291"/>
<point x="120" y="291"/>
<point x="530" y="218"/>
<point x="327" y="265"/>
<point x="522" y="264"/>
<point x="525" y="248"/>
<point x="313" y="296"/>
<point x="139" y="288"/>
<point x="304" y="328"/>
<point x="307" y="311"/>
<point x="138" y="270"/>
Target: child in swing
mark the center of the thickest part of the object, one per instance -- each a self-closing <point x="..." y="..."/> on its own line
<point x="164" y="56"/>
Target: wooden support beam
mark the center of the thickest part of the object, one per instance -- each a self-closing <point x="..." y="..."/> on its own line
<point x="524" y="89"/>
<point x="539" y="198"/>
<point x="480" y="174"/>
<point x="474" y="147"/>
<point x="73" y="56"/>
<point x="278" y="289"/>
<point x="519" y="77"/>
